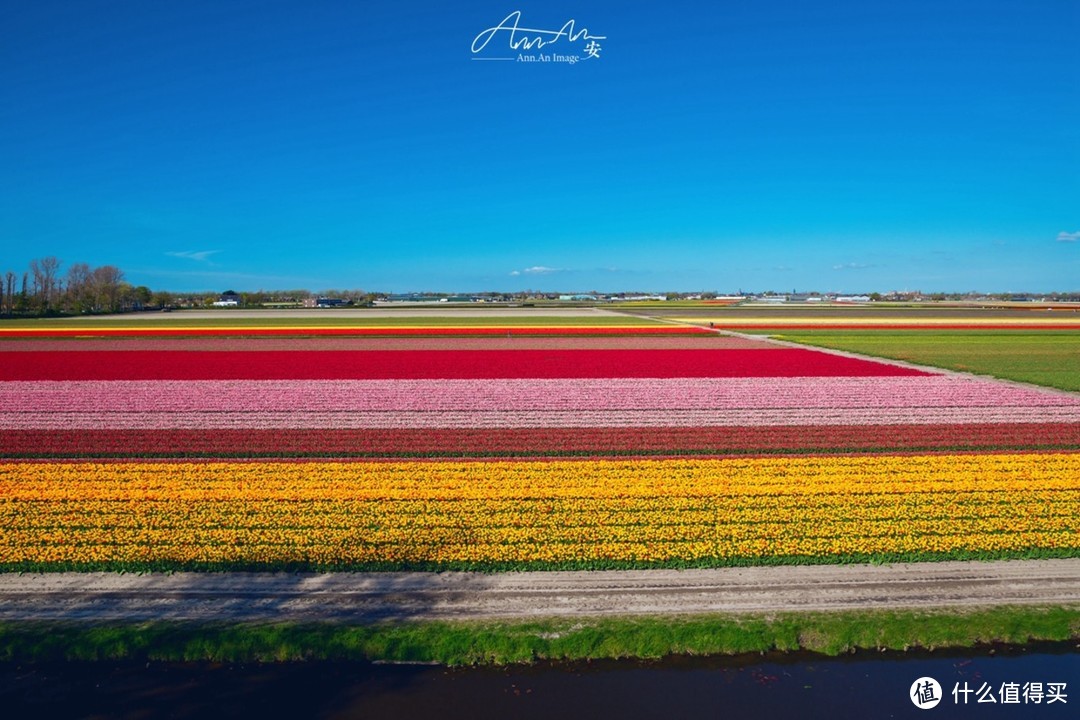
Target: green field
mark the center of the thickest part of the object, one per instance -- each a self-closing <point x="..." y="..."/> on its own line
<point x="1046" y="357"/>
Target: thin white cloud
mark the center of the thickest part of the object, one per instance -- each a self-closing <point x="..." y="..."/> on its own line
<point x="1069" y="236"/>
<point x="536" y="270"/>
<point x="851" y="266"/>
<point x="197" y="256"/>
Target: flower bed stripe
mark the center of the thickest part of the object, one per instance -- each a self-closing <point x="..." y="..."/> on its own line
<point x="464" y="442"/>
<point x="29" y="399"/>
<point x="536" y="514"/>
<point x="434" y="364"/>
<point x="319" y="420"/>
<point x="377" y="331"/>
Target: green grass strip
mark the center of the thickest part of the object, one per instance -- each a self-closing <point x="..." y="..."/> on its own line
<point x="504" y="642"/>
<point x="1038" y="357"/>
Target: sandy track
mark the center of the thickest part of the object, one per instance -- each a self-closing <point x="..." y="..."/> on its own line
<point x="375" y="344"/>
<point x="374" y="596"/>
<point x="392" y="311"/>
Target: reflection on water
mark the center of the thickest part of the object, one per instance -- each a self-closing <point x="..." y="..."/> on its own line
<point x="772" y="687"/>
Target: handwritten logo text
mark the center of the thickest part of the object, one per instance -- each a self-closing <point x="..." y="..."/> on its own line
<point x="526" y="38"/>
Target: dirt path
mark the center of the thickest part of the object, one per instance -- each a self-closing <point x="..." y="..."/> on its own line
<point x="371" y="596"/>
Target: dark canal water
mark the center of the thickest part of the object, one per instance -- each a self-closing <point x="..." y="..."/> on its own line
<point x="860" y="686"/>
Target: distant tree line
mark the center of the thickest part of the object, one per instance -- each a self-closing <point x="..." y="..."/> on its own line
<point x="43" y="290"/>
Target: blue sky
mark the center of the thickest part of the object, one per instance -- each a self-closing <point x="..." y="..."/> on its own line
<point x="846" y="146"/>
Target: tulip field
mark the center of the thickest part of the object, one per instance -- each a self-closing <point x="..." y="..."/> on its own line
<point x="586" y="449"/>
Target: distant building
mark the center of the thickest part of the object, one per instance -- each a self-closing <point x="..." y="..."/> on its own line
<point x="228" y="299"/>
<point x="332" y="302"/>
<point x="408" y="298"/>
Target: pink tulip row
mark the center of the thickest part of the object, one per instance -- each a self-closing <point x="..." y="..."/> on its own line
<point x="302" y="419"/>
<point x="41" y="398"/>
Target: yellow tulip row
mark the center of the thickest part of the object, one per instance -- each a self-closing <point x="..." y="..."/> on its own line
<point x="479" y="553"/>
<point x="1058" y="506"/>
<point x="494" y="534"/>
<point x="342" y="513"/>
<point x="516" y="479"/>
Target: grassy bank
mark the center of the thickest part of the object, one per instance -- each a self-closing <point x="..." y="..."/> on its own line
<point x="468" y="643"/>
<point x="1050" y="358"/>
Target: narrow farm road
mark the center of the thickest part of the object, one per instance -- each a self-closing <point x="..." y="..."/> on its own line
<point x="358" y="597"/>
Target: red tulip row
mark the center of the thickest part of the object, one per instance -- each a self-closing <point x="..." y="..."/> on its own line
<point x="437" y="364"/>
<point x="465" y="442"/>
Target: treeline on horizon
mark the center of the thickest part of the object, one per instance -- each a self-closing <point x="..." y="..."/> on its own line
<point x="44" y="290"/>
